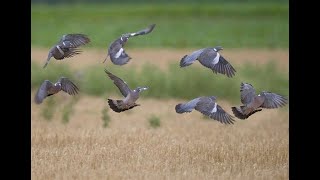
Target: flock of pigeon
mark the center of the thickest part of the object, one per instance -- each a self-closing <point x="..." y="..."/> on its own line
<point x="209" y="57"/>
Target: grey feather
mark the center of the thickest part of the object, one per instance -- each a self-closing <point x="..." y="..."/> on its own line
<point x="253" y="103"/>
<point x="122" y="58"/>
<point x="208" y="107"/>
<point x="272" y="100"/>
<point x="210" y="58"/>
<point x="122" y="86"/>
<point x="67" y="47"/>
<point x="47" y="88"/>
<point x="131" y="96"/>
<point x="189" y="59"/>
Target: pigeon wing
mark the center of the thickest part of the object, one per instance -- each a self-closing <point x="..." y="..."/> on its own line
<point x="42" y="92"/>
<point x="272" y="100"/>
<point x="123" y="86"/>
<point x="68" y="86"/>
<point x="73" y="40"/>
<point x="224" y="67"/>
<point x="210" y="108"/>
<point x="144" y="31"/>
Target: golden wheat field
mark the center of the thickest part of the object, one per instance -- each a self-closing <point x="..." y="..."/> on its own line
<point x="185" y="146"/>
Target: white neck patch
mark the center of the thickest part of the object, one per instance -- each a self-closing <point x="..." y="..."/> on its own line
<point x="216" y="59"/>
<point x="214" y="108"/>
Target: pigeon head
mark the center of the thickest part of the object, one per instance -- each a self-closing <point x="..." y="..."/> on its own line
<point x="125" y="37"/>
<point x="140" y="89"/>
<point x="217" y="48"/>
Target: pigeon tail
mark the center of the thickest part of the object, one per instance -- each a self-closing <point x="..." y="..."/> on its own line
<point x="239" y="112"/>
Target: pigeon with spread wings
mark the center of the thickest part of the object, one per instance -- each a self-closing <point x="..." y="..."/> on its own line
<point x="116" y="50"/>
<point x="210" y="58"/>
<point x="67" y="47"/>
<point x="130" y="96"/>
<point x="207" y="106"/>
<point x="47" y="89"/>
<point x="253" y="103"/>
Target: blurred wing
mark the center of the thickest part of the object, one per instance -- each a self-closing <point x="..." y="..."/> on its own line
<point x="68" y="86"/>
<point x="42" y="92"/>
<point x="222" y="116"/>
<point x="144" y="31"/>
<point x="273" y="100"/>
<point x="224" y="67"/>
<point x="247" y="93"/>
<point x="70" y="52"/>
<point x="73" y="40"/>
<point x="189" y="59"/>
<point x="186" y="107"/>
<point x="210" y="108"/>
<point x="123" y="87"/>
<point x="118" y="55"/>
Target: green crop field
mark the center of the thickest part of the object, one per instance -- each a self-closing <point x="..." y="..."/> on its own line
<point x="232" y="25"/>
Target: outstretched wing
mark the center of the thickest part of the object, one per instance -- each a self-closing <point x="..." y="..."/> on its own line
<point x="42" y="92"/>
<point x="272" y="100"/>
<point x="123" y="86"/>
<point x="68" y="86"/>
<point x="189" y="59"/>
<point x="143" y="31"/>
<point x="247" y="93"/>
<point x="73" y="40"/>
<point x="210" y="108"/>
<point x="213" y="60"/>
<point x="224" y="67"/>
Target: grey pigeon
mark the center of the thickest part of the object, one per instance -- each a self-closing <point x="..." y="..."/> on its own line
<point x="207" y="106"/>
<point x="116" y="50"/>
<point x="210" y="58"/>
<point x="67" y="47"/>
<point x="253" y="103"/>
<point x="47" y="88"/>
<point x="131" y="96"/>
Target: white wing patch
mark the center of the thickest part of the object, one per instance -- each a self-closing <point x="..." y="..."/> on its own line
<point x="216" y="59"/>
<point x="60" y="50"/>
<point x="214" y="108"/>
<point x="119" y="53"/>
<point x="132" y="34"/>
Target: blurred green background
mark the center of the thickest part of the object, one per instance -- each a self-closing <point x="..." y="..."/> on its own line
<point x="189" y="24"/>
